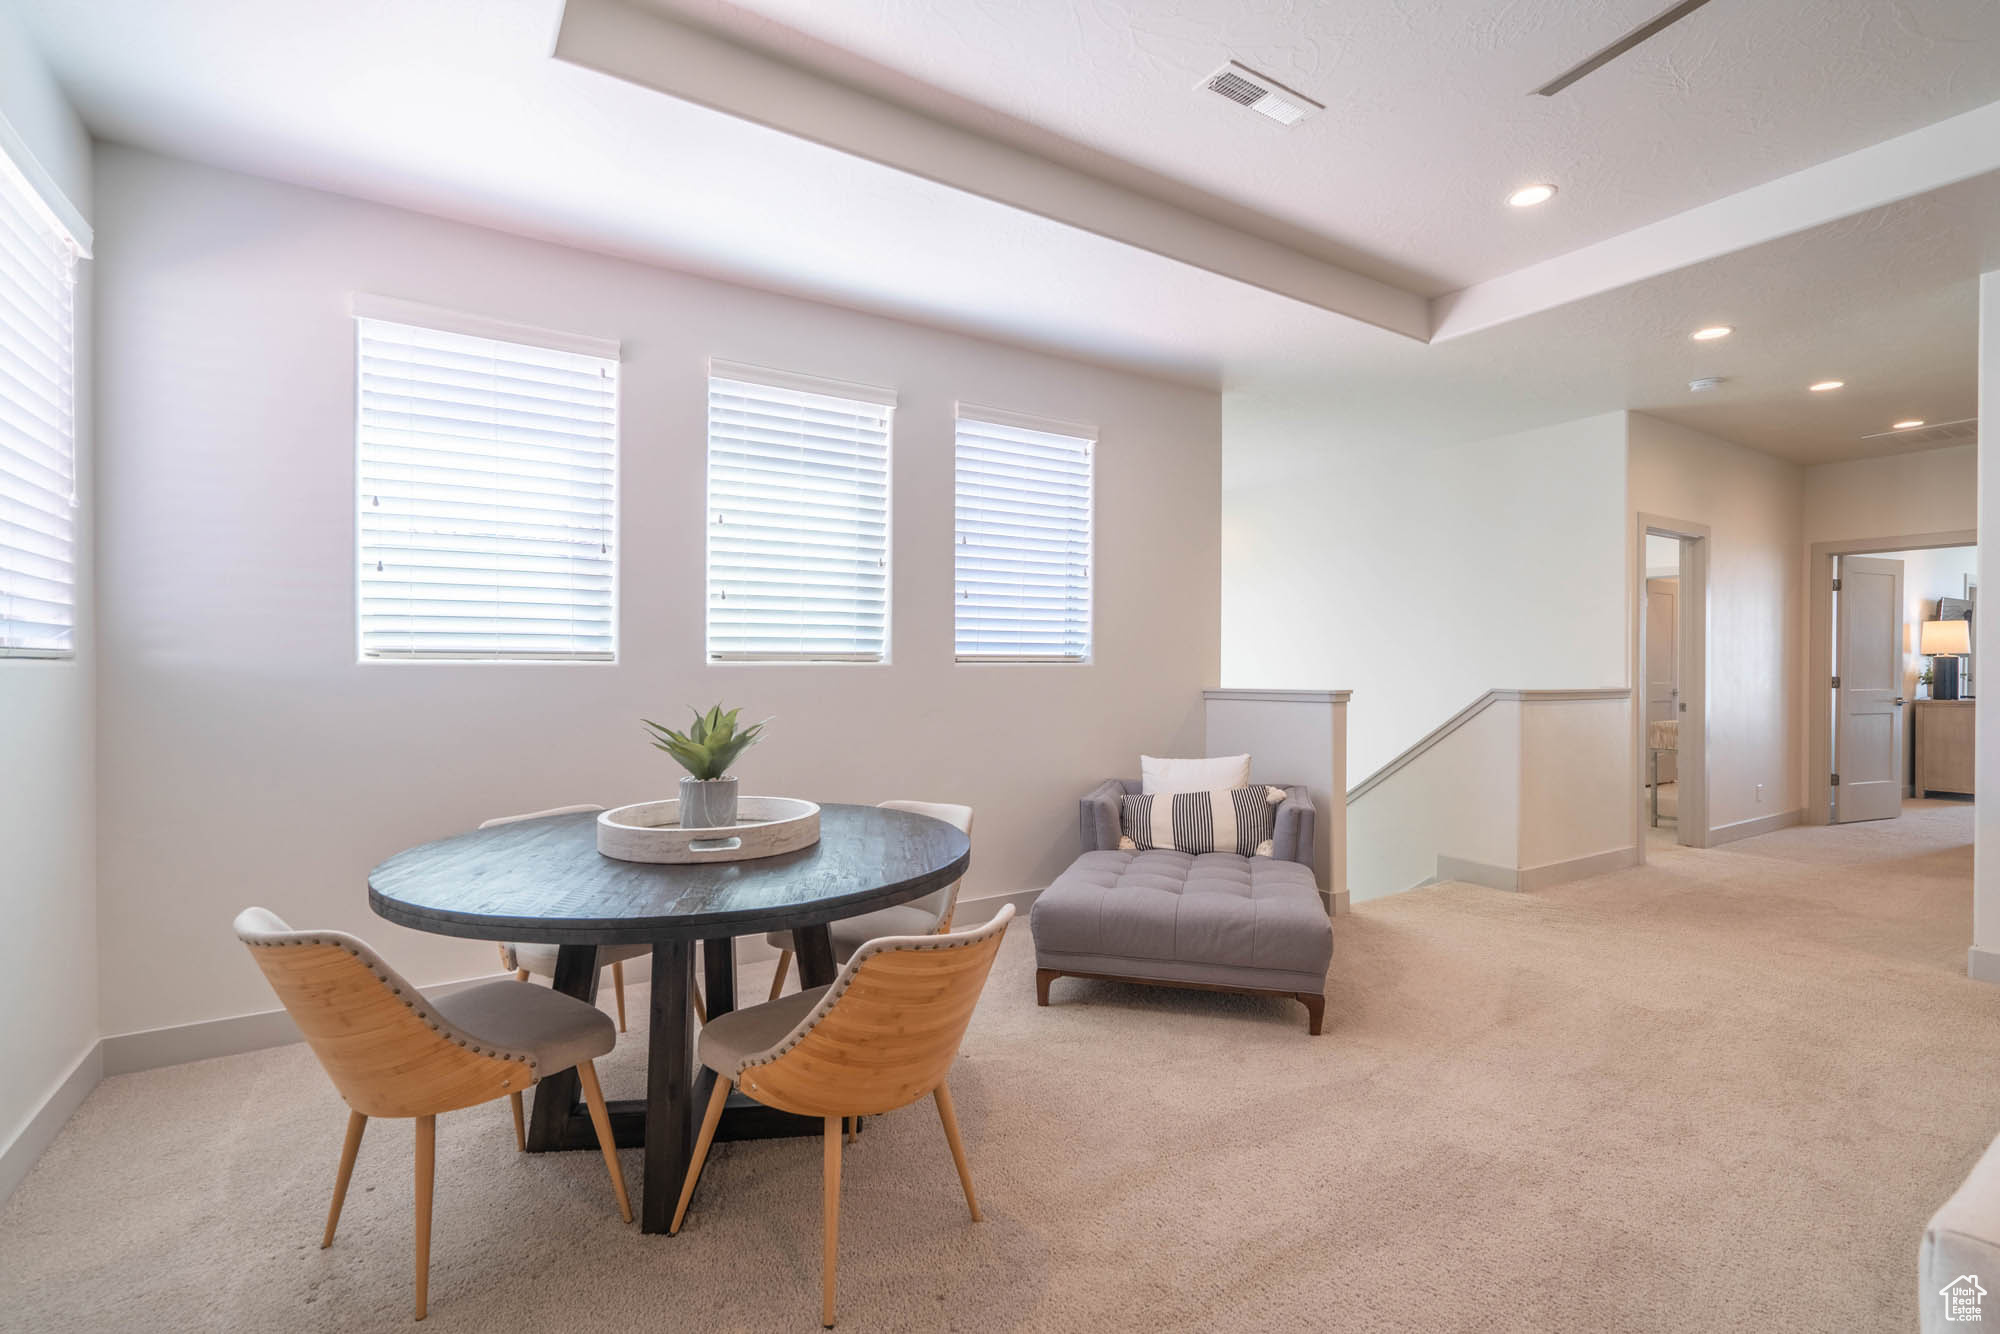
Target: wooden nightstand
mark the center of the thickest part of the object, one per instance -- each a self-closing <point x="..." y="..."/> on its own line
<point x="1944" y="730"/>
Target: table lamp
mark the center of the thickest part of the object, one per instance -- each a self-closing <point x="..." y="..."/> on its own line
<point x="1944" y="641"/>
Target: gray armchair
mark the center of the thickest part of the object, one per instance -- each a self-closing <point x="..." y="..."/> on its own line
<point x="1291" y="840"/>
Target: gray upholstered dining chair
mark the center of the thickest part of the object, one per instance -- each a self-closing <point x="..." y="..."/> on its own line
<point x="525" y="960"/>
<point x="393" y="1052"/>
<point x="881" y="1036"/>
<point x="919" y="917"/>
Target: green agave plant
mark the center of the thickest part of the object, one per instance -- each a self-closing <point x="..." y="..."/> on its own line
<point x="711" y="745"/>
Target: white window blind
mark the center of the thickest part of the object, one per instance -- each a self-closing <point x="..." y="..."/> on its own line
<point x="1023" y="550"/>
<point x="798" y="520"/>
<point x="37" y="424"/>
<point x="487" y="482"/>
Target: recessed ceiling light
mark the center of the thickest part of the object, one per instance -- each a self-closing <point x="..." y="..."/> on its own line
<point x="1910" y="425"/>
<point x="1825" y="385"/>
<point x="1530" y="195"/>
<point x="1712" y="332"/>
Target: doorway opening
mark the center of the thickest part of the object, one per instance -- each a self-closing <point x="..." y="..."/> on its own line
<point x="1885" y="638"/>
<point x="1671" y="663"/>
<point x="1900" y="705"/>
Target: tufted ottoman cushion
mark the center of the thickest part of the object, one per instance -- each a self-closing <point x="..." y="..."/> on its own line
<point x="1213" y="920"/>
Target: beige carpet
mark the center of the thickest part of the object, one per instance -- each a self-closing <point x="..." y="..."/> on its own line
<point x="1721" y="1092"/>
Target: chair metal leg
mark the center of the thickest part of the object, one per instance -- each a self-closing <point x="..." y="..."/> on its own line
<point x="618" y="986"/>
<point x="778" y="979"/>
<point x="942" y="1096"/>
<point x="520" y="1122"/>
<point x="709" y="1120"/>
<point x="600" y="1121"/>
<point x="830" y="1250"/>
<point x="426" y="1181"/>
<point x="356" y="1123"/>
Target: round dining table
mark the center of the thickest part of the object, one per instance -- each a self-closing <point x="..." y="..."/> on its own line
<point x="544" y="881"/>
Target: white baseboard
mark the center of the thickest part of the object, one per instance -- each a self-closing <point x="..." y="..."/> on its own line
<point x="1576" y="868"/>
<point x="973" y="912"/>
<point x="1529" y="878"/>
<point x="1762" y="824"/>
<point x="20" y="1154"/>
<point x="1982" y="965"/>
<point x="177" y="1044"/>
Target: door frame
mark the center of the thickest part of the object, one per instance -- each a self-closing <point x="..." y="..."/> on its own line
<point x="1819" y="649"/>
<point x="1691" y="763"/>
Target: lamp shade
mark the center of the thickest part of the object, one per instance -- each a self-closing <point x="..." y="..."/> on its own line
<point x="1947" y="637"/>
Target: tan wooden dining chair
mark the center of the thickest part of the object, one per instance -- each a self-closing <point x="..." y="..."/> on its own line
<point x="881" y="1036"/>
<point x="392" y="1052"/>
<point x="525" y="960"/>
<point x="919" y="917"/>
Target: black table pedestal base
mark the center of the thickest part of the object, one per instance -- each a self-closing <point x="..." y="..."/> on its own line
<point x="664" y="1121"/>
<point x="744" y="1118"/>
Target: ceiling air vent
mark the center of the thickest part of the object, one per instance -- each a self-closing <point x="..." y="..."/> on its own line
<point x="1962" y="432"/>
<point x="1267" y="97"/>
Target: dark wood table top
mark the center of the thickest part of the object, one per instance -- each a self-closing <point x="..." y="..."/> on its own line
<point x="545" y="881"/>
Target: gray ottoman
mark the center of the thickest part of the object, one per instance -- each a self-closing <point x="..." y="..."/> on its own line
<point x="1215" y="922"/>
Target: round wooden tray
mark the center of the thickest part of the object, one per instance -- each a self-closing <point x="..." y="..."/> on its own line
<point x="650" y="831"/>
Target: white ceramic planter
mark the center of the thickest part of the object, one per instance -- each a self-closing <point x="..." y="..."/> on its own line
<point x="651" y="831"/>
<point x="707" y="803"/>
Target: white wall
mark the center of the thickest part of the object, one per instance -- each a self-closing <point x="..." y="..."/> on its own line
<point x="1934" y="491"/>
<point x="1418" y="576"/>
<point x="249" y="759"/>
<point x="1752" y="505"/>
<point x="1983" y="959"/>
<point x="1569" y="812"/>
<point x="1663" y="557"/>
<point x="1460" y="799"/>
<point x="48" y="988"/>
<point x="1521" y="794"/>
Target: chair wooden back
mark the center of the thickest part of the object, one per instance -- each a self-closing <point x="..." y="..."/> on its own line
<point x="943" y="902"/>
<point x="386" y="1050"/>
<point x="888" y="1028"/>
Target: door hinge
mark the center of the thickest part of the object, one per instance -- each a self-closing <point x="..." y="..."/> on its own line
<point x="1836" y="683"/>
<point x="1835" y="781"/>
<point x="1836" y="585"/>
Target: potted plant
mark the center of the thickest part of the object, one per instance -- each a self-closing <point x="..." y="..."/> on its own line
<point x="706" y="750"/>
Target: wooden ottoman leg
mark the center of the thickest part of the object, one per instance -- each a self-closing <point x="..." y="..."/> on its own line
<point x="1044" y="976"/>
<point x="1315" y="1010"/>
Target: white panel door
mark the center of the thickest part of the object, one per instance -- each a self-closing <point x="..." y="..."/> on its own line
<point x="1663" y="672"/>
<point x="1868" y="705"/>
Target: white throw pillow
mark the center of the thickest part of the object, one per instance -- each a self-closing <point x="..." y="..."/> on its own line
<point x="1219" y="773"/>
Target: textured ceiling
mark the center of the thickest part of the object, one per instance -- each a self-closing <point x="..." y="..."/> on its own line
<point x="454" y="107"/>
<point x="1429" y="122"/>
<point x="1886" y="301"/>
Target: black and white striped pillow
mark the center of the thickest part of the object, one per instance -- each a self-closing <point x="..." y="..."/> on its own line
<point x="1239" y="820"/>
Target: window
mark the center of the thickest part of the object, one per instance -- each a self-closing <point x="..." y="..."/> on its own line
<point x="487" y="479"/>
<point x="798" y="518"/>
<point x="38" y="254"/>
<point x="1023" y="550"/>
